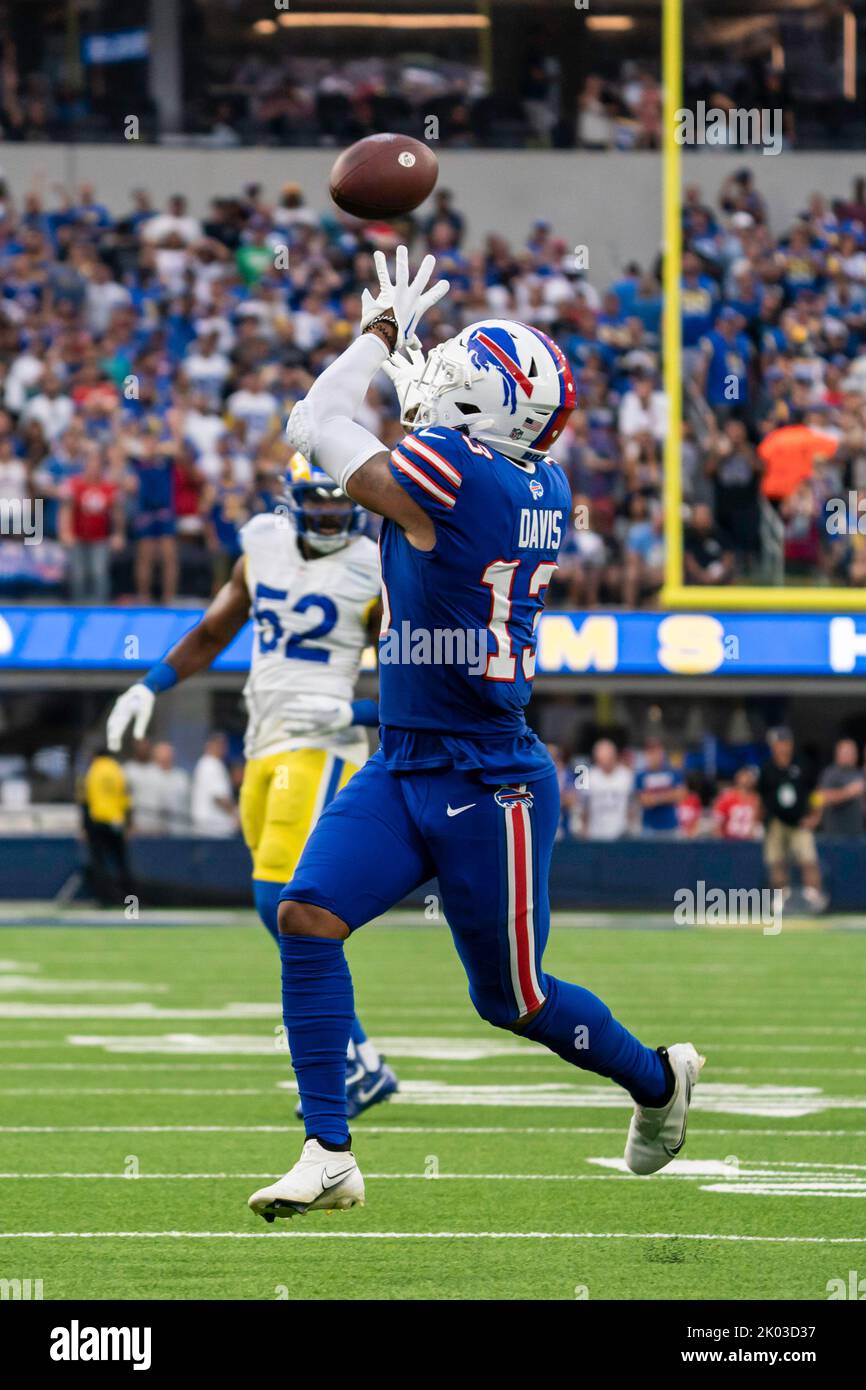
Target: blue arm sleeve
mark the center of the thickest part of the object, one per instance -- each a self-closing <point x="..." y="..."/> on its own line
<point x="365" y="712"/>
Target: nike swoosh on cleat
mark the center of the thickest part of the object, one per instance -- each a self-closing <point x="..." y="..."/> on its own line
<point x="672" y="1153"/>
<point x="335" y="1178"/>
<point x="365" y="1096"/>
<point x="457" y="810"/>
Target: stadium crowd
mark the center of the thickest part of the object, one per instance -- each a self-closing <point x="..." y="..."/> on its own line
<point x="610" y="792"/>
<point x="147" y="361"/>
<point x="261" y="94"/>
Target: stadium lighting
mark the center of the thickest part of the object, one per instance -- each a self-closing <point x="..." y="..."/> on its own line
<point x="348" y="20"/>
<point x="610" y="23"/>
<point x="849" y="55"/>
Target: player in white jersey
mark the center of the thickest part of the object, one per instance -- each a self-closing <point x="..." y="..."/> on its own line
<point x="311" y="583"/>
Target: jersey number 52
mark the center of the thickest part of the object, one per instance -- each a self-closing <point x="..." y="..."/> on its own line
<point x="271" y="631"/>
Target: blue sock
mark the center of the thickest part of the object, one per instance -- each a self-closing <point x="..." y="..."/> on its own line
<point x="267" y="899"/>
<point x="579" y="1027"/>
<point x="318" y="1006"/>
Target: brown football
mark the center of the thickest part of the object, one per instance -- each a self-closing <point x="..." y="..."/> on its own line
<point x="383" y="176"/>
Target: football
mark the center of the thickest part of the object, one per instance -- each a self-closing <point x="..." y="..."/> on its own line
<point x="383" y="176"/>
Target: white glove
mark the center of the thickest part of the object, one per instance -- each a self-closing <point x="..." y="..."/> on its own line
<point x="316" y="714"/>
<point x="134" y="706"/>
<point x="405" y="372"/>
<point x="406" y="302"/>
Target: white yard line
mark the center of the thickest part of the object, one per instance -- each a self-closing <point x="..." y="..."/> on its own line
<point x="378" y="1177"/>
<point x="293" y="1130"/>
<point x="432" y="1235"/>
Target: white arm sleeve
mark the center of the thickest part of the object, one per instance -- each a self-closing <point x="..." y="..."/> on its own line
<point x="341" y="445"/>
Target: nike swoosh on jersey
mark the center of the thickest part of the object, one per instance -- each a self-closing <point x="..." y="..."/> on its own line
<point x="458" y="810"/>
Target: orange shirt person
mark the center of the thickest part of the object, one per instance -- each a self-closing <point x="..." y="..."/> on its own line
<point x="789" y="455"/>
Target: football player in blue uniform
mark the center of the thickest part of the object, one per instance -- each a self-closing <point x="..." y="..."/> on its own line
<point x="460" y="788"/>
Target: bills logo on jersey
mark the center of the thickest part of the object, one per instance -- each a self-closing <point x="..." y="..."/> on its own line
<point x="506" y="797"/>
<point x="536" y="488"/>
<point x="492" y="349"/>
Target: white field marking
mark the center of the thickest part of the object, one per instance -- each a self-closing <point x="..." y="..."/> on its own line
<point x="135" y="1011"/>
<point x="208" y="1067"/>
<point x="136" y="1091"/>
<point x="277" y="1084"/>
<point x="678" y="1168"/>
<point x="83" y="916"/>
<point x="457" y="1130"/>
<point x="263" y="1048"/>
<point x="377" y="1177"/>
<point x="760" y="1179"/>
<point x="431" y="1235"/>
<point x="254" y="1044"/>
<point x="25" y="977"/>
<point x="25" y="914"/>
<point x="788" y="1102"/>
<point x="438" y="1049"/>
<point x="148" y="1067"/>
<point x="144" y="1012"/>
<point x="31" y="984"/>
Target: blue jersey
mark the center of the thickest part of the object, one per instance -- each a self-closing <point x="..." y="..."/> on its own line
<point x="457" y="652"/>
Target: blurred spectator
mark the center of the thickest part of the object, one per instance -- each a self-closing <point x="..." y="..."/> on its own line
<point x="172" y="792"/>
<point x="789" y="454"/>
<point x="595" y="108"/>
<point x="737" y="809"/>
<point x="690" y="809"/>
<point x="735" y="468"/>
<point x="150" y="449"/>
<point x="643" y="550"/>
<point x="659" y="788"/>
<point x="213" y="803"/>
<point x="105" y="812"/>
<point x="707" y="558"/>
<point x="567" y="792"/>
<point x="785" y="789"/>
<point x="144" y="781"/>
<point x="50" y="407"/>
<point x="604" y="803"/>
<point x="644" y="409"/>
<point x="91" y="526"/>
<point x="841" y="789"/>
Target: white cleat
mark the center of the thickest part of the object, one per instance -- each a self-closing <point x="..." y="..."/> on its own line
<point x="321" y="1180"/>
<point x="656" y="1134"/>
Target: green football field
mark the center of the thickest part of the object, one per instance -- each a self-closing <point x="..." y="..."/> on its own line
<point x="146" y="1091"/>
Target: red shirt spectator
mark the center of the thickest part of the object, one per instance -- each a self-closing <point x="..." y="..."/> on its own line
<point x="93" y="504"/>
<point x="689" y="812"/>
<point x="736" y="814"/>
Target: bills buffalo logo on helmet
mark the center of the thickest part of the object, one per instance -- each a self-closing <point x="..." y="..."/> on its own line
<point x="506" y="797"/>
<point x="492" y="349"/>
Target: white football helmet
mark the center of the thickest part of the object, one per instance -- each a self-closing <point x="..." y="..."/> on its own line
<point x="502" y="382"/>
